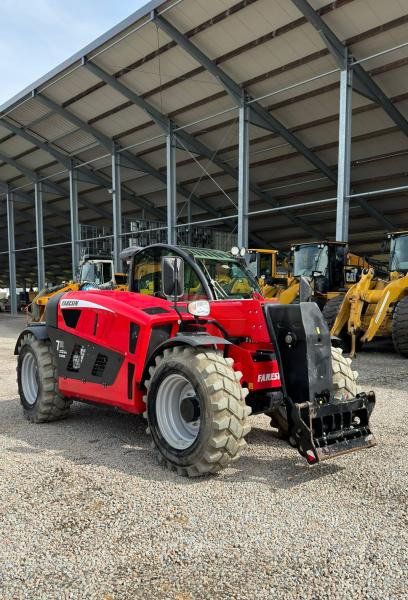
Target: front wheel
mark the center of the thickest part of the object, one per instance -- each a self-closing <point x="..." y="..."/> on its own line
<point x="196" y="411"/>
<point x="400" y="327"/>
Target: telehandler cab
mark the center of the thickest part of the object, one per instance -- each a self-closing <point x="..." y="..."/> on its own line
<point x="378" y="306"/>
<point x="195" y="347"/>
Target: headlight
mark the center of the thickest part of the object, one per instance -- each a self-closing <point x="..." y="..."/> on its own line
<point x="199" y="308"/>
<point x="234" y="250"/>
<point x="242" y="252"/>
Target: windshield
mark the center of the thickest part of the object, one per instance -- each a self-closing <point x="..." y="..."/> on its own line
<point x="399" y="254"/>
<point x="309" y="259"/>
<point x="87" y="273"/>
<point x="98" y="273"/>
<point x="229" y="279"/>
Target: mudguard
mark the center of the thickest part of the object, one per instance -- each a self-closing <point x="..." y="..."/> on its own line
<point x="38" y="330"/>
<point x="194" y="339"/>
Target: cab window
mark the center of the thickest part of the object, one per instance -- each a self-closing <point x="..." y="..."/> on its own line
<point x="147" y="277"/>
<point x="265" y="265"/>
<point x="147" y="272"/>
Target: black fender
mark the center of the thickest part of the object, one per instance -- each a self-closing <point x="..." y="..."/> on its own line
<point x="38" y="330"/>
<point x="194" y="340"/>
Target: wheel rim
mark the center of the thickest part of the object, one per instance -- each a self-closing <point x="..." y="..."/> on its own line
<point x="178" y="411"/>
<point x="29" y="378"/>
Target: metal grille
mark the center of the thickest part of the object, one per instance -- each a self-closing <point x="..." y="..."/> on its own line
<point x="99" y="365"/>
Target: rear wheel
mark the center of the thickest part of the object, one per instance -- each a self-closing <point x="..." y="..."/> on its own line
<point x="345" y="387"/>
<point x="196" y="411"/>
<point x="400" y="327"/>
<point x="38" y="382"/>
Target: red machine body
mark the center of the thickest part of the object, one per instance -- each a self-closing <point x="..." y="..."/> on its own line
<point x="101" y="321"/>
<point x="120" y="349"/>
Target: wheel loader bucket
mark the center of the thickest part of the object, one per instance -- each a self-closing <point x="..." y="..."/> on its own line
<point x="324" y="430"/>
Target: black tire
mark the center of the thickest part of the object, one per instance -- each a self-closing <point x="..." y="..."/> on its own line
<point x="400" y="327"/>
<point x="217" y="400"/>
<point x="331" y="310"/>
<point x="344" y="383"/>
<point x="37" y="382"/>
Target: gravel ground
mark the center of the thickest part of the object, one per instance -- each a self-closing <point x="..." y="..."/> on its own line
<point x="86" y="512"/>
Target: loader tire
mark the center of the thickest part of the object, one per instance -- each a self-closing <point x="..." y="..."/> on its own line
<point x="345" y="387"/>
<point x="331" y="310"/>
<point x="37" y="382"/>
<point x="196" y="411"/>
<point x="400" y="327"/>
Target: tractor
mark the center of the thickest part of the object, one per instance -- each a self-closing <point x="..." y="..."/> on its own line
<point x="194" y="347"/>
<point x="94" y="271"/>
<point x="377" y="306"/>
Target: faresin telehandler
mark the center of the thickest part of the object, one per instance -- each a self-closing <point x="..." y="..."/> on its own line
<point x="375" y="306"/>
<point x="95" y="271"/>
<point x="196" y="356"/>
<point x="329" y="266"/>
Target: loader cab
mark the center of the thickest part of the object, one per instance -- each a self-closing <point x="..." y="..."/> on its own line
<point x="208" y="274"/>
<point x="398" y="252"/>
<point x="267" y="264"/>
<point x="323" y="262"/>
<point x="99" y="271"/>
<point x="96" y="271"/>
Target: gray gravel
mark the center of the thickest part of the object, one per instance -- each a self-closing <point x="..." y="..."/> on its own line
<point x="85" y="511"/>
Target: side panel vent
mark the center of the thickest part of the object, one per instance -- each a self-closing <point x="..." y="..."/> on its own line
<point x="99" y="365"/>
<point x="133" y="335"/>
<point x="131" y="372"/>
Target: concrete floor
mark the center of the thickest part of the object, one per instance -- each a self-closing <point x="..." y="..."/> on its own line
<point x="86" y="512"/>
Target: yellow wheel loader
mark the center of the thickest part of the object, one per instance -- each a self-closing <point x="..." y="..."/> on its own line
<point x="270" y="270"/>
<point x="329" y="267"/>
<point x="377" y="307"/>
<point x="94" y="272"/>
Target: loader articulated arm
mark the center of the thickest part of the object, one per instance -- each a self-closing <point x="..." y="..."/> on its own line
<point x="351" y="309"/>
<point x="390" y="294"/>
<point x="366" y="307"/>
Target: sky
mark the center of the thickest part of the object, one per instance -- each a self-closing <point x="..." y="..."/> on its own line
<point x="37" y="35"/>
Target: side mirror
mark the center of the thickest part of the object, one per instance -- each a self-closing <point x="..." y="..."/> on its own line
<point x="172" y="276"/>
<point x="305" y="290"/>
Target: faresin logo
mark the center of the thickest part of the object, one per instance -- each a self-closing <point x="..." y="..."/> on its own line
<point x="264" y="377"/>
<point x="65" y="303"/>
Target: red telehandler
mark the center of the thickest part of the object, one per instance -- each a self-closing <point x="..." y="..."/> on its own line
<point x="195" y="347"/>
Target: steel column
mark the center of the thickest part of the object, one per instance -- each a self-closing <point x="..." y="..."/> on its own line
<point x="39" y="227"/>
<point x="73" y="207"/>
<point x="344" y="154"/>
<point x="243" y="176"/>
<point x="12" y="253"/>
<point x="171" y="187"/>
<point x="116" y="209"/>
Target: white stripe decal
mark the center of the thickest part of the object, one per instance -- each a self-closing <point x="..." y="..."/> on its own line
<point x="377" y="318"/>
<point x="82" y="304"/>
